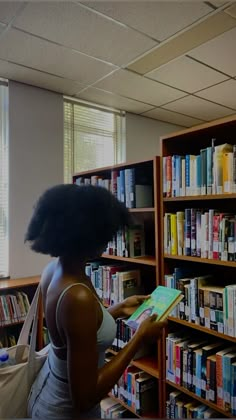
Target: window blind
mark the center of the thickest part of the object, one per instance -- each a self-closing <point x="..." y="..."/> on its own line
<point x="93" y="138"/>
<point x="4" y="159"/>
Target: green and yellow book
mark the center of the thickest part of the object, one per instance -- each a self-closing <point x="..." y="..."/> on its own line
<point x="161" y="302"/>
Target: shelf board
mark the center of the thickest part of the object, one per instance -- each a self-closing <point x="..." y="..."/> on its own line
<point x="202" y="400"/>
<point x="21" y="282"/>
<point x="203" y="329"/>
<point x="201" y="260"/>
<point x="146" y="260"/>
<point x="151" y="415"/>
<point x="142" y="210"/>
<point x="11" y="324"/>
<point x="148" y="364"/>
<point x="201" y="197"/>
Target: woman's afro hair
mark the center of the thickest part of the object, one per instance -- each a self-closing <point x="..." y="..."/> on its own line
<point x="72" y="220"/>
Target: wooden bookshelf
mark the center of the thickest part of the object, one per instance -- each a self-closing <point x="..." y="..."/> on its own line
<point x="201" y="260"/>
<point x="149" y="263"/>
<point x="202" y="400"/>
<point x="146" y="260"/>
<point x="191" y="141"/>
<point x="121" y="402"/>
<point x="147" y="364"/>
<point x="202" y="329"/>
<point x="19" y="282"/>
<point x="28" y="285"/>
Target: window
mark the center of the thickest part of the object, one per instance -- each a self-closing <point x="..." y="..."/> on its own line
<point x="93" y="138"/>
<point x="4" y="251"/>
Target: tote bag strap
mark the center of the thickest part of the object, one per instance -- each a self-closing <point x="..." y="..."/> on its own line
<point x="31" y="317"/>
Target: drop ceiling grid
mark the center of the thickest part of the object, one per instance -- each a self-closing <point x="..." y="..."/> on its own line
<point x="152" y="18"/>
<point x="37" y="78"/>
<point x="137" y="95"/>
<point x="110" y="40"/>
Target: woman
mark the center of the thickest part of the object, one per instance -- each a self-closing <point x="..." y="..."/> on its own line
<point x="75" y="223"/>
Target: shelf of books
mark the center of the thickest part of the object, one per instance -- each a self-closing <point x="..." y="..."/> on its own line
<point x="15" y="298"/>
<point x="198" y="211"/>
<point x="130" y="263"/>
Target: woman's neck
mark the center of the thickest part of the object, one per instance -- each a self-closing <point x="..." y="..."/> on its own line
<point x="73" y="266"/>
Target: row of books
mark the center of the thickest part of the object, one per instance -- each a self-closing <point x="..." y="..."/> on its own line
<point x="128" y="242"/>
<point x="7" y="339"/>
<point x="205" y="368"/>
<point x="213" y="171"/>
<point x="180" y="406"/>
<point x="205" y="302"/>
<point x="111" y="409"/>
<point x="124" y="186"/>
<point x="13" y="308"/>
<point x="113" y="282"/>
<point x="137" y="389"/>
<point x="124" y="333"/>
<point x="198" y="233"/>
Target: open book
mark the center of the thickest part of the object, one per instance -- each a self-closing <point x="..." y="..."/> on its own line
<point x="161" y="302"/>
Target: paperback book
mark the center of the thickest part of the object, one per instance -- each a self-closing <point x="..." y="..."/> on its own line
<point x="161" y="302"/>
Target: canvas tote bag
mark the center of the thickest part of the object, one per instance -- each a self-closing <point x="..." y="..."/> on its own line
<point x="16" y="380"/>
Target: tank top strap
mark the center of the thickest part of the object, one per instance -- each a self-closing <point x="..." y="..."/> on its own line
<point x="63" y="294"/>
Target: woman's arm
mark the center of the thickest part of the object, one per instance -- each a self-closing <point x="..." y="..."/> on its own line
<point x="127" y="306"/>
<point x="79" y="322"/>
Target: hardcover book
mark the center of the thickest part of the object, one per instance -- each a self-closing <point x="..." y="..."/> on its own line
<point x="161" y="302"/>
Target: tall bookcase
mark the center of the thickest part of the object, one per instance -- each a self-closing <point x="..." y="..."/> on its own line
<point x="191" y="142"/>
<point x="13" y="325"/>
<point x="144" y="172"/>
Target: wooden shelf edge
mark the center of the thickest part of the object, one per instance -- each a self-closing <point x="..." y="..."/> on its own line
<point x="123" y="404"/>
<point x="112" y="167"/>
<point x="203" y="329"/>
<point x="142" y="210"/>
<point x="146" y="363"/>
<point x="151" y="415"/>
<point x="202" y="400"/>
<point x="200" y="197"/>
<point x="20" y="282"/>
<point x="201" y="260"/>
<point x="148" y="260"/>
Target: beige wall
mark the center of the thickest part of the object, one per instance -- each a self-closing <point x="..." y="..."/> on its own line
<point x="143" y="136"/>
<point x="35" y="163"/>
<point x="36" y="160"/>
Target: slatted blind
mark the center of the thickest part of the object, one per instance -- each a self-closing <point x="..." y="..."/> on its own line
<point x="93" y="138"/>
<point x="4" y="159"/>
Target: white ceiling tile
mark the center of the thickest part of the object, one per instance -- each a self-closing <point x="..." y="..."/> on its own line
<point x="39" y="79"/>
<point x="28" y="50"/>
<point x="186" y="74"/>
<point x="110" y="99"/>
<point x="218" y="53"/>
<point x="126" y="83"/>
<point x="74" y="26"/>
<point x="9" y="9"/>
<point x="198" y="108"/>
<point x="172" y="117"/>
<point x="158" y="19"/>
<point x="223" y="93"/>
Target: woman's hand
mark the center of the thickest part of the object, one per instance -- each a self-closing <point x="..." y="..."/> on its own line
<point x="150" y="329"/>
<point x="130" y="304"/>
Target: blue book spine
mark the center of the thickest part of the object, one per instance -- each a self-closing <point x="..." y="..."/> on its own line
<point x="187" y="174"/>
<point x="118" y="189"/>
<point x="233" y="389"/>
<point x="198" y="373"/>
<point x="198" y="174"/>
<point x="178" y="182"/>
<point x="209" y="170"/>
<point x="174" y="176"/>
<point x="131" y="178"/>
<point x="122" y="186"/>
<point x="187" y="232"/>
